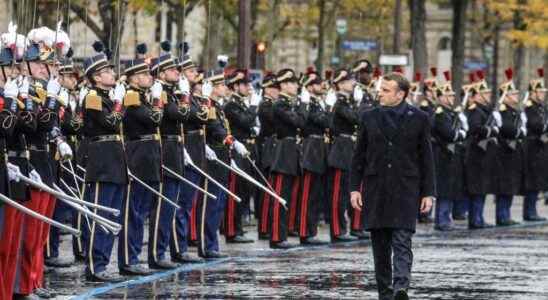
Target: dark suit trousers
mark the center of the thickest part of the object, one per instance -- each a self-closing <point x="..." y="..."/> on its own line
<point x="393" y="260"/>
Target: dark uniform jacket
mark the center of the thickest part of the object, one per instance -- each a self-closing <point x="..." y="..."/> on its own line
<point x="106" y="160"/>
<point x="142" y="138"/>
<point x="176" y="114"/>
<point x="394" y="160"/>
<point x="315" y="131"/>
<point x="447" y="149"/>
<point x="266" y="136"/>
<point x="481" y="151"/>
<point x="194" y="129"/>
<point x="345" y="120"/>
<point x="242" y="120"/>
<point x="8" y="119"/>
<point x="71" y="124"/>
<point x="536" y="148"/>
<point x="217" y="131"/>
<point x="289" y="118"/>
<point x="510" y="152"/>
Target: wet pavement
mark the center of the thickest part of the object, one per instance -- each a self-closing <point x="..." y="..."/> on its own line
<point x="499" y="263"/>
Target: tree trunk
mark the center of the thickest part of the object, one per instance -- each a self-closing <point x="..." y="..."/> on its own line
<point x="519" y="55"/>
<point x="396" y="43"/>
<point x="273" y="16"/>
<point x="244" y="38"/>
<point x="495" y="68"/>
<point x="458" y="43"/>
<point x="321" y="37"/>
<point x="418" y="36"/>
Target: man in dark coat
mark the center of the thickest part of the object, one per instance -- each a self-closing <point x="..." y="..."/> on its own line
<point x="536" y="148"/>
<point x="397" y="171"/>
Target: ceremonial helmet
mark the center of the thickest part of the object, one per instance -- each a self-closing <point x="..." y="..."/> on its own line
<point x="537" y="84"/>
<point x="97" y="62"/>
<point x="165" y="61"/>
<point x="430" y="83"/>
<point x="415" y="85"/>
<point x="446" y="88"/>
<point x="481" y="84"/>
<point x="269" y="81"/>
<point x="508" y="86"/>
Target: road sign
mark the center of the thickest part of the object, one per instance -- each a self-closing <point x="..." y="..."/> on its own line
<point x="342" y="26"/>
<point x="475" y="65"/>
<point x="394" y="60"/>
<point x="359" y="45"/>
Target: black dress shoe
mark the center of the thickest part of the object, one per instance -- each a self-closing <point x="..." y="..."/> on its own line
<point x="104" y="277"/>
<point x="282" y="245"/>
<point x="459" y="217"/>
<point x="214" y="255"/>
<point x="44" y="293"/>
<point x="264" y="236"/>
<point x="534" y="218"/>
<point x="401" y="295"/>
<point x="134" y="270"/>
<point x="25" y="297"/>
<point x="78" y="258"/>
<point x="58" y="262"/>
<point x="293" y="234"/>
<point x="360" y="234"/>
<point x="185" y="258"/>
<point x="343" y="239"/>
<point x="239" y="239"/>
<point x="163" y="264"/>
<point x="444" y="228"/>
<point x="507" y="223"/>
<point x="426" y="220"/>
<point x="310" y="241"/>
<point x="480" y="226"/>
<point x="193" y="243"/>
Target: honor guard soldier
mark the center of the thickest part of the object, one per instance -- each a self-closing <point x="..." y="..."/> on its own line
<point x="480" y="164"/>
<point x="509" y="150"/>
<point x="142" y="118"/>
<point x="314" y="159"/>
<point x="362" y="71"/>
<point x="176" y="108"/>
<point x="266" y="138"/>
<point x="345" y="120"/>
<point x="241" y="113"/>
<point x="289" y="119"/>
<point x="428" y="103"/>
<point x="184" y="225"/>
<point x="71" y="125"/>
<point x="536" y="147"/>
<point x="448" y="133"/>
<point x="106" y="169"/>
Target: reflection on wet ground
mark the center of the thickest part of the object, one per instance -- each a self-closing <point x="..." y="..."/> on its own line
<point x="503" y="263"/>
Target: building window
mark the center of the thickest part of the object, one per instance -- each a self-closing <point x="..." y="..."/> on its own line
<point x="444" y="43"/>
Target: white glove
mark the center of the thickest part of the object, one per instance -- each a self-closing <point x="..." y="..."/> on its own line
<point x="188" y="160"/>
<point x="331" y="98"/>
<point x="64" y="98"/>
<point x="461" y="133"/>
<point x="24" y="87"/>
<point x="523" y="117"/>
<point x="119" y="93"/>
<point x="233" y="164"/>
<point x="64" y="150"/>
<point x="82" y="95"/>
<point x="11" y="90"/>
<point x="358" y="94"/>
<point x="498" y="118"/>
<point x="256" y="98"/>
<point x="240" y="148"/>
<point x="53" y="87"/>
<point x="305" y="96"/>
<point x="463" y="121"/>
<point x="184" y="86"/>
<point x="257" y="130"/>
<point x="207" y="88"/>
<point x="13" y="172"/>
<point x="210" y="154"/>
<point x="156" y="90"/>
<point x="34" y="176"/>
<point x="322" y="104"/>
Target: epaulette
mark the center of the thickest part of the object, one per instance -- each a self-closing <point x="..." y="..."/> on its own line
<point x="93" y="101"/>
<point x="439" y="110"/>
<point x="424" y="103"/>
<point x="529" y="103"/>
<point x="131" y="99"/>
<point x="472" y="106"/>
<point x="502" y="107"/>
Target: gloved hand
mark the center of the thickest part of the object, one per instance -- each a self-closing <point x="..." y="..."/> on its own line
<point x="522" y="132"/>
<point x="82" y="95"/>
<point x="156" y="90"/>
<point x="63" y="98"/>
<point x="24" y="86"/>
<point x="119" y="93"/>
<point x="34" y="176"/>
<point x="184" y="86"/>
<point x="257" y="130"/>
<point x="64" y="150"/>
<point x="188" y="160"/>
<point x="53" y="88"/>
<point x="210" y="154"/>
<point x="331" y="98"/>
<point x="207" y="88"/>
<point x="11" y="90"/>
<point x="305" y="96"/>
<point x="463" y="121"/>
<point x="523" y="117"/>
<point x="13" y="172"/>
<point x="498" y="118"/>
<point x="256" y="98"/>
<point x="461" y="134"/>
<point x="233" y="164"/>
<point x="358" y="94"/>
<point x="240" y="148"/>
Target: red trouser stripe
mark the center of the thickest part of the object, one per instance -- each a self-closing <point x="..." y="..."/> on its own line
<point x="264" y="208"/>
<point x="335" y="203"/>
<point x="193" y="233"/>
<point x="231" y="208"/>
<point x="293" y="207"/>
<point x="276" y="210"/>
<point x="304" y="205"/>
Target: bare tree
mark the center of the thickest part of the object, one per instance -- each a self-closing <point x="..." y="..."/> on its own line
<point x="418" y="35"/>
<point x="458" y="43"/>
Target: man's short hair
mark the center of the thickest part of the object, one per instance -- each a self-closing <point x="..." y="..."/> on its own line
<point x="403" y="83"/>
